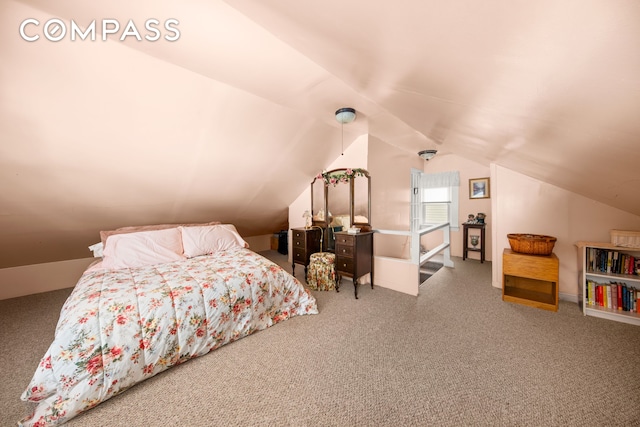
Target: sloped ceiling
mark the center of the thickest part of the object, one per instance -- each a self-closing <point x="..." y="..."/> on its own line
<point x="231" y="121"/>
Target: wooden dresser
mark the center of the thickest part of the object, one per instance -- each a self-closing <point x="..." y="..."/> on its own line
<point x="304" y="242"/>
<point x="354" y="256"/>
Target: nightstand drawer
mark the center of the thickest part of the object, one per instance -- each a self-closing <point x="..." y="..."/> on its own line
<point x="345" y="239"/>
<point x="297" y="235"/>
<point x="344" y="264"/>
<point x="299" y="255"/>
<point x="344" y="250"/>
<point x="298" y="242"/>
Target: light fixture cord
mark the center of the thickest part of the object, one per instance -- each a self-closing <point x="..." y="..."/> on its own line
<point x="342" y="129"/>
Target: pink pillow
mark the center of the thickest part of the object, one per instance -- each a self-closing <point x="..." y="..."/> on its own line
<point x="104" y="235"/>
<point x="207" y="240"/>
<point x="142" y="248"/>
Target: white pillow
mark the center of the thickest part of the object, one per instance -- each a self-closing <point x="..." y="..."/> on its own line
<point x="142" y="249"/>
<point x="97" y="249"/>
<point x="209" y="239"/>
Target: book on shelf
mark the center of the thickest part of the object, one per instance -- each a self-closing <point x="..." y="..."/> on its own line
<point x="611" y="261"/>
<point x="616" y="296"/>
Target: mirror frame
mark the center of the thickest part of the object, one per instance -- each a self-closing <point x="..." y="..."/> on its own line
<point x="325" y="176"/>
<point x="365" y="226"/>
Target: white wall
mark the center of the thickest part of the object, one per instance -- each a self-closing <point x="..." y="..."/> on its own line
<point x="526" y="205"/>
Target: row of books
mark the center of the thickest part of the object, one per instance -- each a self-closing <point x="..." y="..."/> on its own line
<point x="614" y="295"/>
<point x="610" y="261"/>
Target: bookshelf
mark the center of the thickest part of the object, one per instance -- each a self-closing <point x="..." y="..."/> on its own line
<point x="601" y="266"/>
<point x="530" y="279"/>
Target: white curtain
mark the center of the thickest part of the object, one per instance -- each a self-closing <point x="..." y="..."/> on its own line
<point x="439" y="180"/>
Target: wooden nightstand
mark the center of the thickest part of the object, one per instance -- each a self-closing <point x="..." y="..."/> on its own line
<point x="530" y="279"/>
<point x="304" y="242"/>
<point x="354" y="256"/>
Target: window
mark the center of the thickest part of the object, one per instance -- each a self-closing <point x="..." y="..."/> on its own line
<point x="435" y="205"/>
<point x="439" y="198"/>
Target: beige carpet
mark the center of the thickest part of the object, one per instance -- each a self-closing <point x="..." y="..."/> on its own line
<point x="455" y="355"/>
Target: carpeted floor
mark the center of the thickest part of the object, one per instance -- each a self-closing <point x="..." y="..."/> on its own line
<point x="456" y="355"/>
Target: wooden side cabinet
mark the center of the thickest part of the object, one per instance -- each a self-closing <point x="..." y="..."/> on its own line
<point x="530" y="279"/>
<point x="304" y="242"/>
<point x="354" y="257"/>
<point x="465" y="242"/>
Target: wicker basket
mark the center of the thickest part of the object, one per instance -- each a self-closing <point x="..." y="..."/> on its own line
<point x="627" y="239"/>
<point x="532" y="244"/>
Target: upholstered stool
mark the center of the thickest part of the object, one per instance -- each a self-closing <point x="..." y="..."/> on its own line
<point x="321" y="275"/>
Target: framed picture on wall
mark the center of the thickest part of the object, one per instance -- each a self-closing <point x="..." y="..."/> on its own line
<point x="479" y="188"/>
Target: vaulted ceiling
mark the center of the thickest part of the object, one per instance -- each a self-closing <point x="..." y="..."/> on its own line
<point x="232" y="120"/>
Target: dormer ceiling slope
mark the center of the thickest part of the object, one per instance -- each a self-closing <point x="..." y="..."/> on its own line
<point x="232" y="120"/>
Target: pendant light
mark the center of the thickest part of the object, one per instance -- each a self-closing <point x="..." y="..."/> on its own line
<point x="345" y="115"/>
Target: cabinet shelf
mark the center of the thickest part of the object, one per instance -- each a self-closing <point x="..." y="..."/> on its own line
<point x="609" y="276"/>
<point x="602" y="278"/>
<point x="465" y="240"/>
<point x="529" y="297"/>
<point x="608" y="313"/>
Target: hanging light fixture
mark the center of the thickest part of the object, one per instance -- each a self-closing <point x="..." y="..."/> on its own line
<point x="427" y="154"/>
<point x="345" y="115"/>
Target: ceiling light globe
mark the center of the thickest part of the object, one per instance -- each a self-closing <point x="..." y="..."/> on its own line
<point x="345" y="115"/>
<point x="427" y="154"/>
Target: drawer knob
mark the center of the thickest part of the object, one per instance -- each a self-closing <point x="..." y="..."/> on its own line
<point x="344" y="250"/>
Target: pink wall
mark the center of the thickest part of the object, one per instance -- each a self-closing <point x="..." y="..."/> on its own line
<point x="390" y="170"/>
<point x="468" y="169"/>
<point x="37" y="278"/>
<point x="98" y="135"/>
<point x="526" y="205"/>
<point x="518" y="204"/>
<point x="354" y="156"/>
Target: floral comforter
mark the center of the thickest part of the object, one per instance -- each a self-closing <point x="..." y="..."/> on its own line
<point x="120" y="327"/>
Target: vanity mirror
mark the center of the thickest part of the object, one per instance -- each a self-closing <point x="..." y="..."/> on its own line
<point x="340" y="200"/>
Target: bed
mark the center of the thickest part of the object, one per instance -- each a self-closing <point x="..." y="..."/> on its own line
<point x="156" y="299"/>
